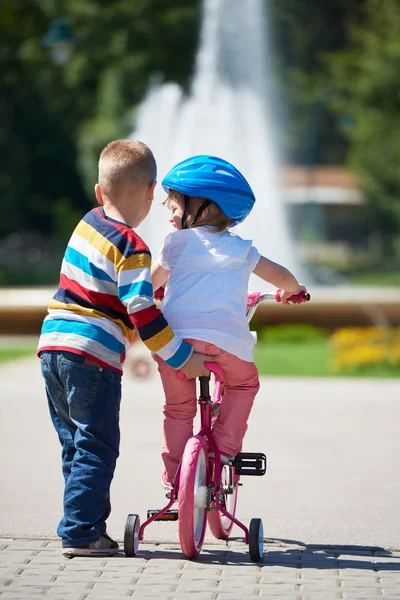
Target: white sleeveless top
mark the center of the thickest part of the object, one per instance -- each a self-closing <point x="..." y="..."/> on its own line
<point x="206" y="293"/>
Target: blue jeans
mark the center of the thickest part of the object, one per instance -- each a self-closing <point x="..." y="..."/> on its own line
<point x="84" y="401"/>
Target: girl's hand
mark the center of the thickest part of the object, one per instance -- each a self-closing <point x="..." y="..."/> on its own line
<point x="285" y="296"/>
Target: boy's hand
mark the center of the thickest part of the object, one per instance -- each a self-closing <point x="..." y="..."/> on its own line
<point x="285" y="296"/>
<point x="195" y="365"/>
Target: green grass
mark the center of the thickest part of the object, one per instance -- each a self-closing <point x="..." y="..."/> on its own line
<point x="287" y="358"/>
<point x="383" y="278"/>
<point x="307" y="359"/>
<point x="7" y="354"/>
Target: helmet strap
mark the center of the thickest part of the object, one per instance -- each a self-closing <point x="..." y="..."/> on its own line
<point x="184" y="215"/>
<point x="202" y="207"/>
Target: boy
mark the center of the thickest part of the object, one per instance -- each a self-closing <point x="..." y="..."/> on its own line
<point x="105" y="292"/>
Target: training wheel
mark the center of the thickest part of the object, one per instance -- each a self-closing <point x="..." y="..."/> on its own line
<point x="256" y="540"/>
<point x="131" y="535"/>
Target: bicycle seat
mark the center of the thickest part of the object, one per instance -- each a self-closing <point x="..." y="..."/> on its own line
<point x="216" y="369"/>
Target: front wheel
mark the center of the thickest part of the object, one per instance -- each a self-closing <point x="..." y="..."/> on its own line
<point x="256" y="540"/>
<point x="220" y="525"/>
<point x="131" y="535"/>
<point x="192" y="496"/>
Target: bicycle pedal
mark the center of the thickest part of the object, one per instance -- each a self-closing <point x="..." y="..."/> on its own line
<point x="169" y="495"/>
<point x="169" y="515"/>
<point x="250" y="463"/>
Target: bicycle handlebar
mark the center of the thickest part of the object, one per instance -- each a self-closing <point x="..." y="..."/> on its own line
<point x="296" y="298"/>
<point x="253" y="300"/>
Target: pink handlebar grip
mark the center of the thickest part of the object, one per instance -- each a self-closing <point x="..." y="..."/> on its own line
<point x="296" y="298"/>
<point x="252" y="299"/>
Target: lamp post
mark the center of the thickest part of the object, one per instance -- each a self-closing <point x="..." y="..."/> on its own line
<point x="59" y="37"/>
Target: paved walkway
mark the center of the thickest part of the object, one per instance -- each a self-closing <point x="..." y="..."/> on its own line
<point x="35" y="569"/>
<point x="329" y="501"/>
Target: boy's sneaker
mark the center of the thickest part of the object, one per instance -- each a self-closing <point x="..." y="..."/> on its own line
<point x="104" y="546"/>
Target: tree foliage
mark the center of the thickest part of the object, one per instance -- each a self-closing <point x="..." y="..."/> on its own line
<point x="366" y="72"/>
<point x="336" y="63"/>
<point x="53" y="117"/>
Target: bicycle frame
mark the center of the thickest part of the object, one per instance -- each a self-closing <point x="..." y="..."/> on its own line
<point x="205" y="402"/>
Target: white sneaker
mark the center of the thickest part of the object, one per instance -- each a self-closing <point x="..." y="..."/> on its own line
<point x="104" y="546"/>
<point x="166" y="485"/>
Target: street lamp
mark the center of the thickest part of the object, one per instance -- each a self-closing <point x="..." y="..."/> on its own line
<point x="59" y="38"/>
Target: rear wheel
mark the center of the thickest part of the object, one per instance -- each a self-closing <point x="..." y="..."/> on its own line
<point x="220" y="525"/>
<point x="192" y="496"/>
<point x="131" y="535"/>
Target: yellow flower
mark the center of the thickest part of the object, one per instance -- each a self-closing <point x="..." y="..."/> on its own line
<point x="360" y="347"/>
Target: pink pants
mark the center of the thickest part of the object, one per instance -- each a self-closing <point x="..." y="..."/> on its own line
<point x="241" y="387"/>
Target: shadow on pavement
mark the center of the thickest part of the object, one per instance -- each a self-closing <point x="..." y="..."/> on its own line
<point x="314" y="556"/>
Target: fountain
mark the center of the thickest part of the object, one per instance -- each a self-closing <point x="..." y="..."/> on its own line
<point x="226" y="113"/>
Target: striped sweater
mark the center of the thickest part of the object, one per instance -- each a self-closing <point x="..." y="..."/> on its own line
<point x="105" y="293"/>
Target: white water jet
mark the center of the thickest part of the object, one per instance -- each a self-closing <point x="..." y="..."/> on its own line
<point x="227" y="114"/>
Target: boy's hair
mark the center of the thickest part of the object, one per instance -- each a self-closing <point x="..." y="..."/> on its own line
<point x="214" y="217"/>
<point x="126" y="162"/>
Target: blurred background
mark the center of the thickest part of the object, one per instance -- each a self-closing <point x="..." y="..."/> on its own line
<point x="302" y="96"/>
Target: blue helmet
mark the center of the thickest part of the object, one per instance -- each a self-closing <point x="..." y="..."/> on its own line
<point x="215" y="179"/>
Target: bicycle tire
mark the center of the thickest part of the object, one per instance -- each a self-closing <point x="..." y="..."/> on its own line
<point x="192" y="497"/>
<point x="131" y="535"/>
<point x="256" y="540"/>
<point x="220" y="525"/>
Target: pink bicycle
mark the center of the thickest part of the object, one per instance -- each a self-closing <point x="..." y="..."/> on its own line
<point x="206" y="489"/>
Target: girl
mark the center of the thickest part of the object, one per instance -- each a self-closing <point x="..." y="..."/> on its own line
<point x="207" y="269"/>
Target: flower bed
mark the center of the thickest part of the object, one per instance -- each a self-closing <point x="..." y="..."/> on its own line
<point x="367" y="349"/>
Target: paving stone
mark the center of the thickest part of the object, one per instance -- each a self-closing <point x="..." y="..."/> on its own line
<point x="18" y="586"/>
<point x="358" y="595"/>
<point x="118" y="575"/>
<point x="37" y="579"/>
<point x="22" y="595"/>
<point x="184" y="595"/>
<point x="77" y="577"/>
<point x="71" y="595"/>
<point x="147" y="592"/>
<point x="201" y="576"/>
<point x="36" y="570"/>
<point x="125" y="564"/>
<point x="8" y="554"/>
<point x="48" y="559"/>
<point x="19" y="544"/>
<point x="7" y="571"/>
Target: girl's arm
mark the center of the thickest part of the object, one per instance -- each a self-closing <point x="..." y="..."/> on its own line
<point x="279" y="276"/>
<point x="159" y="275"/>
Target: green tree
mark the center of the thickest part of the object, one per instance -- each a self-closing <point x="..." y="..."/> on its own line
<point x="50" y="113"/>
<point x="367" y="74"/>
<point x="54" y="121"/>
<point x="38" y="163"/>
<point x="304" y="33"/>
